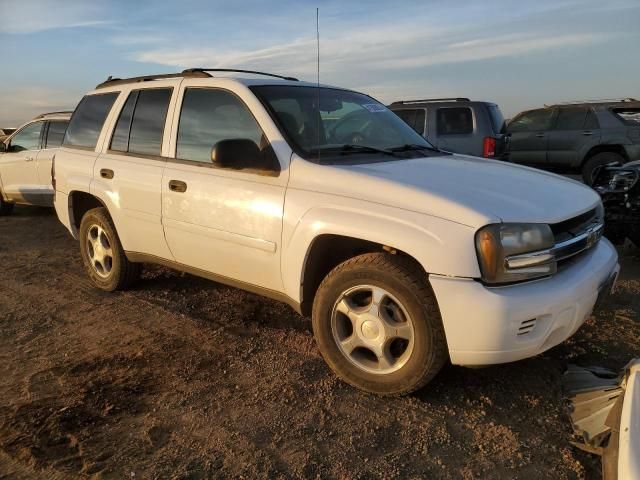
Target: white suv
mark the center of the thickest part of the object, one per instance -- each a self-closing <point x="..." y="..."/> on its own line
<point x="404" y="256"/>
<point x="25" y="161"/>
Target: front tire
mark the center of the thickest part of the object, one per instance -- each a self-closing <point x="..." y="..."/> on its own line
<point x="102" y="253"/>
<point x="377" y="324"/>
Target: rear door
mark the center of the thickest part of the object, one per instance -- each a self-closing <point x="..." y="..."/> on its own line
<point x="129" y="173"/>
<point x="18" y="172"/>
<point x="528" y="135"/>
<point x="573" y="128"/>
<point x="52" y="140"/>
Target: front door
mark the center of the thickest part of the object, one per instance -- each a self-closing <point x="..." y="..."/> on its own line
<point x="222" y="221"/>
<point x="18" y="171"/>
<point x="528" y="137"/>
<point x="51" y="140"/>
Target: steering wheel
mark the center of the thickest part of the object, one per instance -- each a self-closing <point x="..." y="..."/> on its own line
<point x="358" y="136"/>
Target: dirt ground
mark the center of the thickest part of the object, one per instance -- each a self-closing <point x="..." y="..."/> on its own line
<point x="184" y="378"/>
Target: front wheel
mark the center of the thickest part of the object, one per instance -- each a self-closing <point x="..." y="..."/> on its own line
<point x="102" y="252"/>
<point x="378" y="326"/>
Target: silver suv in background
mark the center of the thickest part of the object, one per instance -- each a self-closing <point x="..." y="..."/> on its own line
<point x="25" y="161"/>
<point x="456" y="124"/>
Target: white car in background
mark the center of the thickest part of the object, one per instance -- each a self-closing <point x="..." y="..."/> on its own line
<point x="404" y="256"/>
<point x="25" y="161"/>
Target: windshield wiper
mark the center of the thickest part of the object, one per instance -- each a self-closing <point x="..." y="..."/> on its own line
<point x="412" y="146"/>
<point x="355" y="148"/>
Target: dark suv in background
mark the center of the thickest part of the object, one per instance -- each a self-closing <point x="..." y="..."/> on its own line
<point x="576" y="137"/>
<point x="456" y="124"/>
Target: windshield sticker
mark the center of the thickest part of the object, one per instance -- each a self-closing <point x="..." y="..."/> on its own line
<point x="375" y="107"/>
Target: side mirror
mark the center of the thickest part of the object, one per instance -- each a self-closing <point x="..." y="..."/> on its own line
<point x="4" y="147"/>
<point x="241" y="154"/>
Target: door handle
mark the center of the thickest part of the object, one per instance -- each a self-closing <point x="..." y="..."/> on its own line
<point x="540" y="135"/>
<point x="177" y="186"/>
<point x="587" y="133"/>
<point x="106" y="173"/>
<point x="29" y="159"/>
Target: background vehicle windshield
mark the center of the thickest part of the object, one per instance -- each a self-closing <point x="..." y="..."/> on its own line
<point x="344" y="118"/>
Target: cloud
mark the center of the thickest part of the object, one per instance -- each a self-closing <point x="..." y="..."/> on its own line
<point x="24" y="103"/>
<point x="32" y="16"/>
<point x="371" y="50"/>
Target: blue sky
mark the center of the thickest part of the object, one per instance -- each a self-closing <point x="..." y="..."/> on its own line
<point x="518" y="54"/>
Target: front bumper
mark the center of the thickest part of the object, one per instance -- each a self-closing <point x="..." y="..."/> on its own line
<point x="486" y="326"/>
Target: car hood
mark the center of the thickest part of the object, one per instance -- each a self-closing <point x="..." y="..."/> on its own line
<point x="469" y="190"/>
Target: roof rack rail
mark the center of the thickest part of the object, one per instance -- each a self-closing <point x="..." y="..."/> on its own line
<point x="254" y="72"/>
<point x="111" y="81"/>
<point x="189" y="72"/>
<point x="599" y="100"/>
<point x="426" y="100"/>
<point x="42" y="115"/>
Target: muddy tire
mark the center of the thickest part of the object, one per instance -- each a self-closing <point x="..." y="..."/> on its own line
<point x="5" y="207"/>
<point x="377" y="324"/>
<point x="604" y="158"/>
<point x="102" y="253"/>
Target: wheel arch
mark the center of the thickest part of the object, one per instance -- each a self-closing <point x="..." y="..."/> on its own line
<point x="81" y="202"/>
<point x="617" y="148"/>
<point x="325" y="237"/>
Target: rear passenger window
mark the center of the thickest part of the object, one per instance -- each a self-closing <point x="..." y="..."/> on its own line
<point x="55" y="134"/>
<point x="209" y="116"/>
<point x="454" y="121"/>
<point x="141" y="123"/>
<point x="571" y="118"/>
<point x="87" y="121"/>
<point x="414" y="118"/>
<point x="591" y="122"/>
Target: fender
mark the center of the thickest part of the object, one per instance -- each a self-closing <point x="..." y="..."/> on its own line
<point x="410" y="232"/>
<point x="621" y="141"/>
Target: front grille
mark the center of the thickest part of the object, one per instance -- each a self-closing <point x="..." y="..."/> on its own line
<point x="576" y="235"/>
<point x="571" y="228"/>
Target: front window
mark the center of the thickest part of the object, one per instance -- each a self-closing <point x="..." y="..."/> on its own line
<point x="346" y="122"/>
<point x="27" y="139"/>
<point x="535" y="120"/>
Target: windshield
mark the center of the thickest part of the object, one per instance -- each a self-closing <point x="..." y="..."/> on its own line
<point x="346" y="122"/>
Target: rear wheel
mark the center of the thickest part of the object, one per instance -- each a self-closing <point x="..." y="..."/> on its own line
<point x="5" y="207"/>
<point x="598" y="160"/>
<point x="377" y="324"/>
<point x="102" y="252"/>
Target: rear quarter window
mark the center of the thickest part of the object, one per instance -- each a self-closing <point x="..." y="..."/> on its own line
<point x="454" y="121"/>
<point x="629" y="116"/>
<point x="88" y="119"/>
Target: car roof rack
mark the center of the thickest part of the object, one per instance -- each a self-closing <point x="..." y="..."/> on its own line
<point x="235" y="70"/>
<point x="189" y="72"/>
<point x="111" y="81"/>
<point x="63" y="112"/>
<point x="599" y="100"/>
<point x="427" y="100"/>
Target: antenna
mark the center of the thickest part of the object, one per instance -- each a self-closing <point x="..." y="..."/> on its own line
<point x="318" y="76"/>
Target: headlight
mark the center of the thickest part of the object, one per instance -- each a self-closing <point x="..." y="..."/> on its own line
<point x="513" y="252"/>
